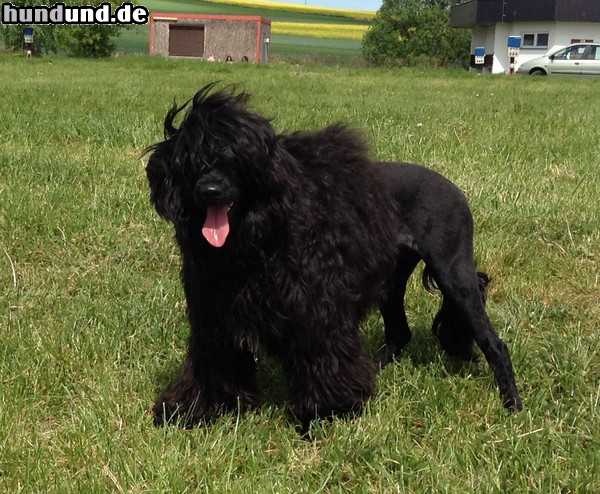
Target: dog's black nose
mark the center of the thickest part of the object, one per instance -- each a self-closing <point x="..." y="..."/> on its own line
<point x="214" y="189"/>
<point x="211" y="192"/>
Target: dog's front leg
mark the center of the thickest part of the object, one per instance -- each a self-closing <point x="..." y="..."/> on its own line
<point x="183" y="402"/>
<point x="217" y="375"/>
<point x="332" y="378"/>
<point x="213" y="381"/>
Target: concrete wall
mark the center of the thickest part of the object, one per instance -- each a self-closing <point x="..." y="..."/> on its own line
<point x="234" y="36"/>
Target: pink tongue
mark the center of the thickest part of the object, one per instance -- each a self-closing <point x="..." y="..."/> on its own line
<point x="216" y="226"/>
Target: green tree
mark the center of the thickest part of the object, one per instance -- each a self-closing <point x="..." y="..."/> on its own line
<point x="410" y="32"/>
<point x="77" y="40"/>
<point x="88" y="41"/>
<point x="44" y="39"/>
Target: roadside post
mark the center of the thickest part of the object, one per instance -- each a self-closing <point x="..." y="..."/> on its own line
<point x="514" y="45"/>
<point x="479" y="55"/>
<point x="28" y="34"/>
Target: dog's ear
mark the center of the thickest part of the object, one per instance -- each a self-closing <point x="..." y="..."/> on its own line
<point x="165" y="188"/>
<point x="165" y="194"/>
<point x="262" y="156"/>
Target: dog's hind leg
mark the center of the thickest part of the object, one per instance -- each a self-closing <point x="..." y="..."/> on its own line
<point x="453" y="335"/>
<point x="463" y="319"/>
<point x="397" y="330"/>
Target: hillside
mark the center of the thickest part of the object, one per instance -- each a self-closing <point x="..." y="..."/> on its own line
<point x="296" y="29"/>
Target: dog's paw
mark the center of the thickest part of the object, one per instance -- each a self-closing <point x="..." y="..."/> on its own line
<point x="165" y="413"/>
<point x="460" y="350"/>
<point x="513" y="402"/>
<point x="170" y="413"/>
<point x="387" y="354"/>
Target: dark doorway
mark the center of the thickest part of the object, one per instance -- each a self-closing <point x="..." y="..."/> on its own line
<point x="186" y="41"/>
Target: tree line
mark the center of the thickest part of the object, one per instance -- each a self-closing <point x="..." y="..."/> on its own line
<point x="403" y="32"/>
<point x="415" y="32"/>
<point x="83" y="40"/>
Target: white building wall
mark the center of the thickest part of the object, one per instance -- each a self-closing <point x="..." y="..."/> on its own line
<point x="494" y="39"/>
<point x="501" y="61"/>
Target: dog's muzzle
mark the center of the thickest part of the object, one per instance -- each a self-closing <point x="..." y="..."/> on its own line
<point x="215" y="193"/>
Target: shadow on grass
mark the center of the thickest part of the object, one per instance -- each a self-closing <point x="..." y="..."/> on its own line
<point x="423" y="351"/>
<point x="271" y="382"/>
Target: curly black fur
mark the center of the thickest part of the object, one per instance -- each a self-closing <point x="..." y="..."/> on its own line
<point x="287" y="242"/>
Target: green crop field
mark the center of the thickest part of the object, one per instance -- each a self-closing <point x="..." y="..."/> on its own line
<point x="92" y="318"/>
<point x="285" y="42"/>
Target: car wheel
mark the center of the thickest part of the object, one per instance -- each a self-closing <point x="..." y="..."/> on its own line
<point x="537" y="72"/>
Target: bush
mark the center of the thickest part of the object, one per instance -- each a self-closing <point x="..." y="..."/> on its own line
<point x="405" y="31"/>
<point x="90" y="41"/>
<point x="45" y="38"/>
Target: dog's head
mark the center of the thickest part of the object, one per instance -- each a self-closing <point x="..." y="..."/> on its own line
<point x="215" y="165"/>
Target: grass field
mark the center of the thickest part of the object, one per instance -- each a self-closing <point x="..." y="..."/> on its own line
<point x="299" y="33"/>
<point x="360" y="15"/>
<point x="92" y="317"/>
<point x="296" y="31"/>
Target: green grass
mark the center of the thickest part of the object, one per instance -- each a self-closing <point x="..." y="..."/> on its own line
<point x="135" y="39"/>
<point x="92" y="317"/>
<point x="197" y="6"/>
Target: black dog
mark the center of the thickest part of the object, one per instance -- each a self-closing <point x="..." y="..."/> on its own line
<point x="287" y="243"/>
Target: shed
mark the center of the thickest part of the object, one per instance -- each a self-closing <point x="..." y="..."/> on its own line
<point x="208" y="37"/>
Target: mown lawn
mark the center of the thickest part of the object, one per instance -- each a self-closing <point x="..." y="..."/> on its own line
<point x="92" y="323"/>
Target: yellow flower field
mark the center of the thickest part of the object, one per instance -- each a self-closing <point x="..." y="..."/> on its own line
<point x="360" y="15"/>
<point x="315" y="30"/>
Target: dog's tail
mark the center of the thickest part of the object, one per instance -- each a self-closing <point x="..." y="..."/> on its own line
<point x="430" y="284"/>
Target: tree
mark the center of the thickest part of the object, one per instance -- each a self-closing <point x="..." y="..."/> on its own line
<point x="408" y="32"/>
<point x="95" y="40"/>
<point x="45" y="35"/>
<point x="88" y="41"/>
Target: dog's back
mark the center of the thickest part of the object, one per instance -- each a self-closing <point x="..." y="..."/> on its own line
<point x="427" y="202"/>
<point x="417" y="186"/>
<point x="331" y="145"/>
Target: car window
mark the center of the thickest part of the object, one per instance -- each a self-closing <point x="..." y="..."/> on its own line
<point x="570" y="53"/>
<point x="560" y="55"/>
<point x="578" y="52"/>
